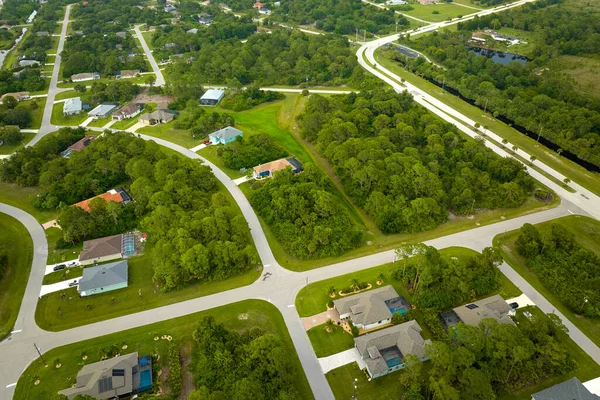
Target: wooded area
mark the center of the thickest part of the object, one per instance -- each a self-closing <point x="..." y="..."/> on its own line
<point x="248" y="153"/>
<point x="404" y="166"/>
<point x="566" y="268"/>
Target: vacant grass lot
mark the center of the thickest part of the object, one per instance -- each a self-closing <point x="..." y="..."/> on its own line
<point x="585" y="72"/>
<point x="327" y="343"/>
<point x="15" y="239"/>
<point x="69" y="94"/>
<point x="587" y="233"/>
<point x="182" y="137"/>
<point x="36" y="112"/>
<point x="60" y="255"/>
<point x="259" y="314"/>
<point x="100" y="122"/>
<point x="125" y="123"/>
<point x="58" y="118"/>
<point x="444" y="11"/>
<point x="576" y="173"/>
<point x="18" y="196"/>
<point x="11" y="148"/>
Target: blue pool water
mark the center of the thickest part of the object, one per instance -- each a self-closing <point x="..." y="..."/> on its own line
<point x="399" y="311"/>
<point x="392" y="362"/>
<point x="145" y="380"/>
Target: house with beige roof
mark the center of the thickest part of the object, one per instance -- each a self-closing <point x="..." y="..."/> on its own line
<point x="267" y="170"/>
<point x="384" y="351"/>
<point x="101" y="250"/>
<point x="371" y="309"/>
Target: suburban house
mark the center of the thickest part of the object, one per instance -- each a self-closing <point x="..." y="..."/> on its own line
<point x="212" y="97"/>
<point x="396" y="2"/>
<point x="28" y="63"/>
<point x="371" y="309"/>
<point x="103" y="278"/>
<point x="101" y="250"/>
<point x="86" y="76"/>
<point x="427" y="2"/>
<point x="19" y="96"/>
<point x="72" y="106"/>
<point x="5" y="27"/>
<point x="383" y="351"/>
<point x="118" y="195"/>
<point x="78" y="146"/>
<point x="264" y="10"/>
<point x="572" y="389"/>
<point x="205" y="19"/>
<point x="128" y="111"/>
<point x="225" y="135"/>
<point x="267" y="170"/>
<point x="192" y="31"/>
<point x="258" y="4"/>
<point x="170" y="7"/>
<point x="471" y="314"/>
<point x="161" y="116"/>
<point x="42" y="33"/>
<point x="113" y="378"/>
<point x="128" y="73"/>
<point x="103" y="110"/>
<point x="122" y="35"/>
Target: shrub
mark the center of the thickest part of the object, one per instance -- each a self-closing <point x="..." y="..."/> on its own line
<point x="353" y="329"/>
<point x="175" y="369"/>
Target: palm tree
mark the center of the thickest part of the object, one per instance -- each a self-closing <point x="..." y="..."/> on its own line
<point x="504" y="142"/>
<point x="566" y="181"/>
<point x="329" y="325"/>
<point x="559" y="151"/>
<point x="354" y="284"/>
<point x="532" y="159"/>
<point x="515" y="149"/>
<point x="380" y="277"/>
<point x="331" y="291"/>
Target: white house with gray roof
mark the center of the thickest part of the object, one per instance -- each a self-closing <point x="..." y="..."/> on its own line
<point x="384" y="351"/>
<point x="371" y="309"/>
<point x="103" y="278"/>
<point x="72" y="106"/>
<point x="225" y="135"/>
<point x="572" y="389"/>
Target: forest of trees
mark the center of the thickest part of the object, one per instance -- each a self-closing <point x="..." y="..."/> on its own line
<point x="199" y="121"/>
<point x="17" y="11"/>
<point x="568" y="269"/>
<point x="304" y="215"/>
<point x="28" y="80"/>
<point x="3" y="262"/>
<point x="12" y="115"/>
<point x="540" y="99"/>
<point x="251" y="364"/>
<point x="339" y="16"/>
<point x="248" y="153"/>
<point x="404" y="166"/>
<point x="244" y="99"/>
<point x="35" y="47"/>
<point x="114" y="16"/>
<point x="194" y="233"/>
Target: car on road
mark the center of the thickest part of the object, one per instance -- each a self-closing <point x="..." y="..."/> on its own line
<point x="59" y="267"/>
<point x="74" y="283"/>
<point x="514" y="305"/>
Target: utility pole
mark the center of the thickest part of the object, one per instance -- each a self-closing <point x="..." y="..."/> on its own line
<point x="485" y="107"/>
<point x="540" y="133"/>
<point x="356" y="35"/>
<point x="40" y="353"/>
<point x="472" y="206"/>
<point x="396" y="26"/>
<point x="365" y="36"/>
<point x="443" y="83"/>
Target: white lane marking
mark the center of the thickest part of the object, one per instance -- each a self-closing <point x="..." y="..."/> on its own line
<point x="17" y="331"/>
<point x="572" y="213"/>
<point x="291" y="306"/>
<point x="266" y="265"/>
<point x="11" y="385"/>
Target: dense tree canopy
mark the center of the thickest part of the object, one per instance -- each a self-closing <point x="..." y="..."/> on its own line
<point x="565" y="267"/>
<point x="247" y="365"/>
<point x="17" y="11"/>
<point x="28" y="80"/>
<point x="248" y="153"/>
<point x="199" y="121"/>
<point x="244" y="99"/>
<point x="403" y="165"/>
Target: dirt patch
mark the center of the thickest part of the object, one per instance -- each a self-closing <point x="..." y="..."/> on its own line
<point x="187" y="384"/>
<point x="161" y="101"/>
<point x="163" y="377"/>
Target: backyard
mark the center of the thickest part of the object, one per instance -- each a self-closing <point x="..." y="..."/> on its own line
<point x="15" y="239"/>
<point x="255" y="313"/>
<point x="587" y="233"/>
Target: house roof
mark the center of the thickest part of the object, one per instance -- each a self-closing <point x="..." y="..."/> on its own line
<point x="226" y="133"/>
<point x="491" y="307"/>
<point x="368" y="307"/>
<point x="111" y="195"/>
<point x="158" y="114"/>
<point x="103" y="275"/>
<point x="129" y="109"/>
<point x="16" y="95"/>
<point x="129" y="72"/>
<point x="406" y="338"/>
<point x="572" y="389"/>
<point x="82" y="144"/>
<point x="73" y="104"/>
<point x="103" y="109"/>
<point x="273" y="166"/>
<point x="101" y="247"/>
<point x="213" y="94"/>
<point x="90" y="376"/>
<point x="85" y="75"/>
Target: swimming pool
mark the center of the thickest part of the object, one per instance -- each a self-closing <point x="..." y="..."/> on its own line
<point x="392" y="362"/>
<point x="399" y="310"/>
<point x="145" y="380"/>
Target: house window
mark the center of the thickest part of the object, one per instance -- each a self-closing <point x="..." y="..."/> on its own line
<point x="118" y="372"/>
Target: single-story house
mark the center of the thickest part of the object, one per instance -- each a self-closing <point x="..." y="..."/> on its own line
<point x="72" y="106"/>
<point x="170" y="7"/>
<point x="103" y="110"/>
<point x="373" y="308"/>
<point x="128" y="73"/>
<point x="262" y="29"/>
<point x="122" y="35"/>
<point x="128" y="111"/>
<point x="86" y="76"/>
<point x="78" y="146"/>
<point x="118" y="195"/>
<point x="396" y="2"/>
<point x="212" y="97"/>
<point x="258" y="4"/>
<point x="264" y="10"/>
<point x="161" y="116"/>
<point x="427" y="2"/>
<point x="384" y="351"/>
<point x="103" y="278"/>
<point x="192" y="31"/>
<point x="205" y="19"/>
<point x="19" y="96"/>
<point x="101" y="250"/>
<point x="494" y="307"/>
<point x="225" y="135"/>
<point x="28" y="63"/>
<point x="572" y="389"/>
<point x="5" y="27"/>
<point x="113" y="378"/>
<point x="267" y="170"/>
<point x="42" y="33"/>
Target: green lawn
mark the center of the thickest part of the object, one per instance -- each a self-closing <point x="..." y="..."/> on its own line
<point x="100" y="122"/>
<point x="65" y="274"/>
<point x="19" y="197"/>
<point x="182" y="137"/>
<point x="576" y="173"/>
<point x="15" y="239"/>
<point x="312" y="299"/>
<point x="11" y="57"/>
<point x="59" y="255"/>
<point x="69" y="94"/>
<point x="444" y="11"/>
<point x="259" y="314"/>
<point x="36" y="113"/>
<point x="148" y="38"/>
<point x="587" y="233"/>
<point x="58" y="118"/>
<point x="61" y="84"/>
<point x="11" y="148"/>
<point x="124" y="124"/>
<point x="327" y="343"/>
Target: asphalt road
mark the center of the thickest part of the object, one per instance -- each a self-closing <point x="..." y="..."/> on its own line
<point x="160" y="79"/>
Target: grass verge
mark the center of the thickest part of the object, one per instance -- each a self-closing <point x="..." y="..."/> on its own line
<point x="327" y="343"/>
<point x="18" y="196"/>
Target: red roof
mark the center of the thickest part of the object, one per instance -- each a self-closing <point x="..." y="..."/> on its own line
<point x="82" y="144"/>
<point x="258" y="4"/>
<point x="111" y="195"/>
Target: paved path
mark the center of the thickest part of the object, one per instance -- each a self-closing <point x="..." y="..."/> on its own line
<point x="522" y="301"/>
<point x="241" y="180"/>
<point x="55" y="287"/>
<point x="71" y="263"/>
<point x="320" y="318"/>
<point x="160" y="80"/>
<point x="199" y="147"/>
<point x="340" y="359"/>
<point x="87" y="121"/>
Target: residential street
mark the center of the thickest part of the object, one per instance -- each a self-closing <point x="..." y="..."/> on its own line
<point x="160" y="79"/>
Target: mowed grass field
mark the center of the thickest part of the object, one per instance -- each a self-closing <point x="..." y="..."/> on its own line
<point x="256" y="313"/>
<point x="437" y="12"/>
<point x="15" y="240"/>
<point x="587" y="233"/>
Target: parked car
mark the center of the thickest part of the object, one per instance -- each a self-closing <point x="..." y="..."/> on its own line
<point x="59" y="267"/>
<point x="206" y="142"/>
<point x="74" y="283"/>
<point x="514" y="305"/>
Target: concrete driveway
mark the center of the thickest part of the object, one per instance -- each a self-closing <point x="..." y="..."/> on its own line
<point x="55" y="287"/>
<point x="71" y="264"/>
<point x="320" y="319"/>
<point x="341" y="359"/>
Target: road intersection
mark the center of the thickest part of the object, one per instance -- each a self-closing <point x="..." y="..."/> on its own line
<point x="283" y="285"/>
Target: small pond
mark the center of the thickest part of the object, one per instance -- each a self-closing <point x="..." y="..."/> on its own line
<point x="498" y="56"/>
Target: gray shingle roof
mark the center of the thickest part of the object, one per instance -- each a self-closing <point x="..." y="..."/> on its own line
<point x="491" y="307"/>
<point x="568" y="390"/>
<point x="103" y="275"/>
<point x="226" y="133"/>
<point x="368" y="307"/>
